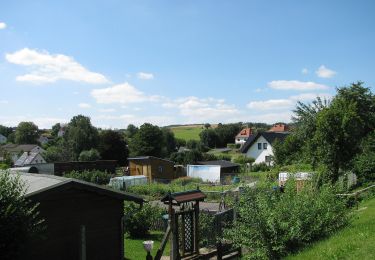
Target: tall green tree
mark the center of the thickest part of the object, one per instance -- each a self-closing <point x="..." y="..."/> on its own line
<point x="170" y="143"/>
<point x="209" y="138"/>
<point x="112" y="146"/>
<point x="81" y="135"/>
<point x="147" y="141"/>
<point x="26" y="133"/>
<point x="19" y="220"/>
<point x="131" y="130"/>
<point x="5" y="131"/>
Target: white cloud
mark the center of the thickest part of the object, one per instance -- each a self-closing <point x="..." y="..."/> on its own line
<point x="137" y="120"/>
<point x="3" y="25"/>
<point x="48" y="68"/>
<point x="305" y="71"/>
<point x="285" y="104"/>
<point x="123" y="94"/>
<point x="295" y="85"/>
<point x="203" y="109"/>
<point x="272" y="104"/>
<point x="84" y="105"/>
<point x="324" y="72"/>
<point x="145" y="76"/>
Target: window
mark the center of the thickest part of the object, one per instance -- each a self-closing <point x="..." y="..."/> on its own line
<point x="238" y="139"/>
<point x="265" y="146"/>
<point x="259" y="146"/>
<point x="160" y="169"/>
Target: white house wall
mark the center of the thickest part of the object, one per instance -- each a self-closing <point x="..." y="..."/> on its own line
<point x="259" y="155"/>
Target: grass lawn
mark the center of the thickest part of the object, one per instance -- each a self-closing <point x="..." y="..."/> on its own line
<point x="357" y="241"/>
<point x="187" y="132"/>
<point x="134" y="247"/>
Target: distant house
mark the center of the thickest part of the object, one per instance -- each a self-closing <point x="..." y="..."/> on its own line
<point x="3" y="139"/>
<point x="242" y="136"/>
<point x="227" y="169"/>
<point x="279" y="128"/>
<point x="156" y="169"/>
<point x="259" y="146"/>
<point x="16" y="150"/>
<point x="61" y="131"/>
<point x="28" y="158"/>
<point x="43" y="139"/>
<point x="82" y="220"/>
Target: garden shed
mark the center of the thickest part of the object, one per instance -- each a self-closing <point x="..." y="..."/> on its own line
<point x="227" y="169"/>
<point x="83" y="220"/>
<point x="156" y="169"/>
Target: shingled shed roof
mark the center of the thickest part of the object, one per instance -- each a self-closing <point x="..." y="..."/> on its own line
<point x="180" y="197"/>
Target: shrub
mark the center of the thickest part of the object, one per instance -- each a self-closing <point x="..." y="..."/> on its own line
<point x="19" y="221"/>
<point x="186" y="180"/>
<point x="94" y="176"/>
<point x="272" y="224"/>
<point x="139" y="220"/>
<point x="89" y="155"/>
<point x="260" y="167"/>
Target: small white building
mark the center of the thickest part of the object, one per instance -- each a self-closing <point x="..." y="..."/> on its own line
<point x="15" y="150"/>
<point x="259" y="146"/>
<point x="3" y="139"/>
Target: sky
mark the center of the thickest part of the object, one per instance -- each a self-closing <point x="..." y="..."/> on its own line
<point x="178" y="62"/>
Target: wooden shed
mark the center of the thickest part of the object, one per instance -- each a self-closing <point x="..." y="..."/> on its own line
<point x="156" y="169"/>
<point x="83" y="220"/>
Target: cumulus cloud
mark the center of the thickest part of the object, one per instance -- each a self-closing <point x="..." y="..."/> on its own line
<point x="122" y="94"/>
<point x="145" y="76"/>
<point x="274" y="104"/>
<point x="324" y="72"/>
<point x="48" y="68"/>
<point x="137" y="120"/>
<point x="3" y="25"/>
<point x="41" y="122"/>
<point x="84" y="105"/>
<point x="203" y="109"/>
<point x="295" y="85"/>
<point x="305" y="71"/>
<point x="285" y="104"/>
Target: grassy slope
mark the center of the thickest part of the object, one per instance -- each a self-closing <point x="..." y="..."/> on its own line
<point x="134" y="247"/>
<point x="187" y="132"/>
<point x="357" y="241"/>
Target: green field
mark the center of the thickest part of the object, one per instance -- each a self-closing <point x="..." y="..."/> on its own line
<point x="187" y="132"/>
<point x="134" y="247"/>
<point x="357" y="241"/>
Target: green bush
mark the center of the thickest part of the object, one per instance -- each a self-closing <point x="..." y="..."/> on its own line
<point x="260" y="167"/>
<point x="139" y="220"/>
<point x="186" y="180"/>
<point x="272" y="224"/>
<point x="94" y="176"/>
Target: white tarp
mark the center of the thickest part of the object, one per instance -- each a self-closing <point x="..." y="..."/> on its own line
<point x="209" y="173"/>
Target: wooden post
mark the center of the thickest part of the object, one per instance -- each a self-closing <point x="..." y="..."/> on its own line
<point x="83" y="242"/>
<point x="196" y="223"/>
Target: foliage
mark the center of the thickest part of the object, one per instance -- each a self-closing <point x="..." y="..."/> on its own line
<point x="139" y="220"/>
<point x="89" y="155"/>
<point x="169" y="142"/>
<point x="60" y="151"/>
<point x="209" y="138"/>
<point x="226" y="133"/>
<point x="5" y="131"/>
<point x="356" y="241"/>
<point x="26" y="133"/>
<point x="186" y="180"/>
<point x="207" y="125"/>
<point x="55" y="129"/>
<point x="260" y="167"/>
<point x="242" y="159"/>
<point x="187" y="157"/>
<point x="94" y="176"/>
<point x="80" y="135"/>
<point x="148" y="140"/>
<point x="112" y="146"/>
<point x="206" y="229"/>
<point x="271" y="224"/>
<point x="131" y="130"/>
<point x="19" y="220"/>
<point x="187" y="132"/>
<point x="180" y="142"/>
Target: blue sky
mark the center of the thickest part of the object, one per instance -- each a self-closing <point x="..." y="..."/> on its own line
<point x="178" y="62"/>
